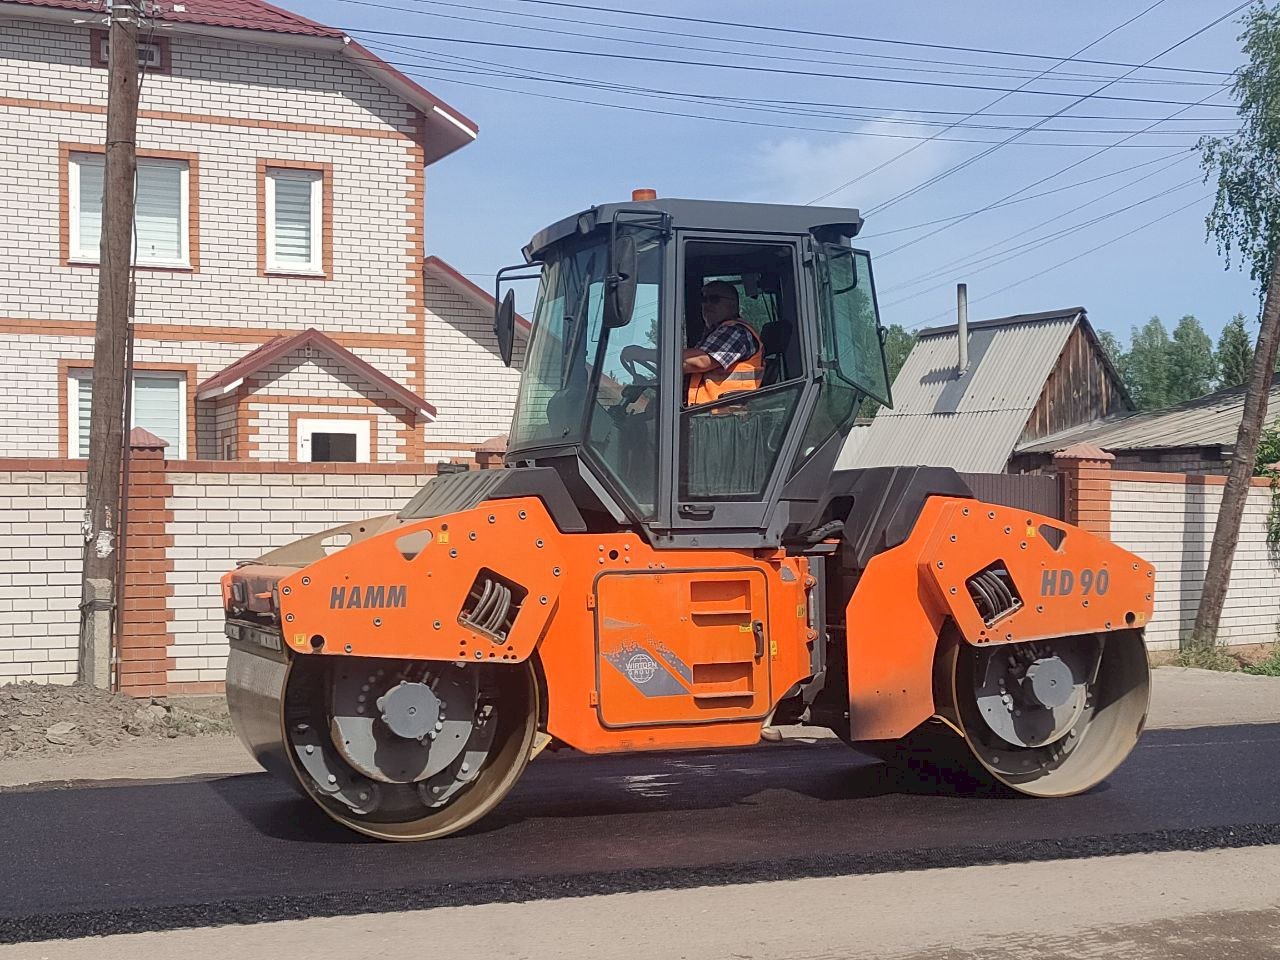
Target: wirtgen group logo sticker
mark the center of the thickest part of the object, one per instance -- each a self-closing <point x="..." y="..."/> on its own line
<point x="641" y="668"/>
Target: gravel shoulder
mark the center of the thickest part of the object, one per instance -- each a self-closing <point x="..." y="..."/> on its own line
<point x="193" y="738"/>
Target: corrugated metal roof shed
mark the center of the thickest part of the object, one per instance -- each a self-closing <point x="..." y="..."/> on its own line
<point x="1209" y="421"/>
<point x="971" y="422"/>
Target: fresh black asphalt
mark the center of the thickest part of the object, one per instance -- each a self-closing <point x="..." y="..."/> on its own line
<point x="110" y="859"/>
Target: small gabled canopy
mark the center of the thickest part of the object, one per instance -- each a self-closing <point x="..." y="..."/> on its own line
<point x="230" y="378"/>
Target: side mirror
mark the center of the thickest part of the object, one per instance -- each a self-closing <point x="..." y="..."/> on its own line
<point x="620" y="285"/>
<point x="504" y="326"/>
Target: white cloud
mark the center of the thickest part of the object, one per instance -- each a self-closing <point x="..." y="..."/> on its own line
<point x="796" y="170"/>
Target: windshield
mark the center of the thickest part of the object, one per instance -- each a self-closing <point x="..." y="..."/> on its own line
<point x="562" y="347"/>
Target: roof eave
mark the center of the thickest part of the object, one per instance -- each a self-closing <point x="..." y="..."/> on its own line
<point x="447" y="130"/>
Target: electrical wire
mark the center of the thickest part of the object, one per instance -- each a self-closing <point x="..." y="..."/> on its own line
<point x="1057" y="173"/>
<point x="1030" y="246"/>
<point x="775" y="29"/>
<point x="1034" y="196"/>
<point x="1063" y="263"/>
<point x="466" y="65"/>
<point x="1004" y="96"/>
<point x="750" y="68"/>
<point x="419" y="72"/>
<point x="955" y="168"/>
<point x="983" y="70"/>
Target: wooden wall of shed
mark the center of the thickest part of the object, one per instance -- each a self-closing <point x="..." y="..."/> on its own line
<point x="1079" y="390"/>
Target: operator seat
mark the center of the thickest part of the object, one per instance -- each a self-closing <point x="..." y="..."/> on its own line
<point x="775" y="337"/>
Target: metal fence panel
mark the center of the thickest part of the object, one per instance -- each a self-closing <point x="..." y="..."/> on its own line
<point x="1039" y="493"/>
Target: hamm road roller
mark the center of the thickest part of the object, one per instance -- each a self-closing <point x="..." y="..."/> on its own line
<point x="670" y="559"/>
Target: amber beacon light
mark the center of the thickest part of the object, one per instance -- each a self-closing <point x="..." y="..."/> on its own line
<point x="643" y="194"/>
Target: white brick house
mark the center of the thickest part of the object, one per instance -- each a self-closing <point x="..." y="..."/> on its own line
<point x="281" y="187"/>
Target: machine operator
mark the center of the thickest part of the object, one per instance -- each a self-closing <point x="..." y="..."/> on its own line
<point x="728" y="359"/>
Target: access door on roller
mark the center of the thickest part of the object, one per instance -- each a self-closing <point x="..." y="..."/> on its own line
<point x="682" y="646"/>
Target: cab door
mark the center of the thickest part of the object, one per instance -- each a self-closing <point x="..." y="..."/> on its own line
<point x="729" y="454"/>
<point x="682" y="646"/>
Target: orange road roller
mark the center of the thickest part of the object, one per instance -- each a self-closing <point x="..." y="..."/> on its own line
<point x="671" y="560"/>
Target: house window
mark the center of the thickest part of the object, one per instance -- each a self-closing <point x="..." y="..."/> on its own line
<point x="153" y="55"/>
<point x="159" y="405"/>
<point x="295" y="220"/>
<point x="333" y="441"/>
<point x="161" y="210"/>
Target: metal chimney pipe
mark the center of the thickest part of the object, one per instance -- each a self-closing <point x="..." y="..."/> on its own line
<point x="962" y="327"/>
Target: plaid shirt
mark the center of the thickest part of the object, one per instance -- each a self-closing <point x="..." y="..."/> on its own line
<point x="728" y="343"/>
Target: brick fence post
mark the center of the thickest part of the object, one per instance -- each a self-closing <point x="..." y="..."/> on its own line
<point x="491" y="454"/>
<point x="144" y="659"/>
<point x="1086" y="486"/>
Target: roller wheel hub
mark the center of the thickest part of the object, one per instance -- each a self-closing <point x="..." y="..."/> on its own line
<point x="1049" y="683"/>
<point x="410" y="710"/>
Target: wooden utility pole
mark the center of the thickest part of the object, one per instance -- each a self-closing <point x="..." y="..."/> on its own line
<point x="106" y="425"/>
<point x="1236" y="492"/>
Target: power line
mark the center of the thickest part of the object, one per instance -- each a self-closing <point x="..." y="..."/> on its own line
<point x="1004" y="96"/>
<point x="774" y="29"/>
<point x="1056" y="173"/>
<point x="1034" y="196"/>
<point x="750" y="68"/>
<point x="1030" y="246"/>
<point x="466" y="65"/>
<point x="985" y="153"/>
<point x="987" y="70"/>
<point x="1063" y="263"/>
<point x="418" y="71"/>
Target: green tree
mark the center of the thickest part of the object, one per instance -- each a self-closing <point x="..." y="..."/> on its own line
<point x="898" y="341"/>
<point x="1235" y="353"/>
<point x="1245" y="220"/>
<point x="1146" y="366"/>
<point x="1191" y="363"/>
<point x="1111" y="347"/>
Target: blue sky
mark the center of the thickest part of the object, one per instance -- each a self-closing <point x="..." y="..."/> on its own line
<point x="538" y="159"/>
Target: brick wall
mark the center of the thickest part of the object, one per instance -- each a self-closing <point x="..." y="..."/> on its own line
<point x="467" y="381"/>
<point x="229" y="105"/>
<point x="223" y="514"/>
<point x="40" y="542"/>
<point x="1169" y="519"/>
<point x="189" y="522"/>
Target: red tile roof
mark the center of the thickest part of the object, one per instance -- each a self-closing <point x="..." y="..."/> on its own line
<point x="234" y="14"/>
<point x="232" y="376"/>
<point x="448" y="129"/>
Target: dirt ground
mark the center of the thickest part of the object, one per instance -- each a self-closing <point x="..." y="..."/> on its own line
<point x="40" y="720"/>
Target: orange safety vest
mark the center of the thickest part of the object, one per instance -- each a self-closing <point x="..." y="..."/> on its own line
<point x="747" y="374"/>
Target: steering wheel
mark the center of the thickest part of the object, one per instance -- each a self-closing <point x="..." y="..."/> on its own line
<point x="644" y="369"/>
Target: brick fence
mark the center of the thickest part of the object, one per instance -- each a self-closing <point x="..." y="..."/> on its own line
<point x="190" y="521"/>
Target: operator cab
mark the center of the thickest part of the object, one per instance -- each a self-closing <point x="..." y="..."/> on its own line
<point x="737" y="470"/>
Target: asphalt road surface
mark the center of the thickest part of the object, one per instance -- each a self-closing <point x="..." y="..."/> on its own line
<point x="112" y="859"/>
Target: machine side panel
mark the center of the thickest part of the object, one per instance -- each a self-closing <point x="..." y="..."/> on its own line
<point x="476" y="585"/>
<point x="682" y="646"/>
<point x="943" y="572"/>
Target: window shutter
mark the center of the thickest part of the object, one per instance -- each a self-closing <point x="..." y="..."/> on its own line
<point x="157" y="407"/>
<point x="90" y="169"/>
<point x="84" y="411"/>
<point x="293" y="243"/>
<point x="158" y="211"/>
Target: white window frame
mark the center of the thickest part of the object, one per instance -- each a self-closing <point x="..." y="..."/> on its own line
<point x="150" y="55"/>
<point x="316" y="267"/>
<point x="79" y="374"/>
<point x="76" y="255"/>
<point x="360" y="427"/>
